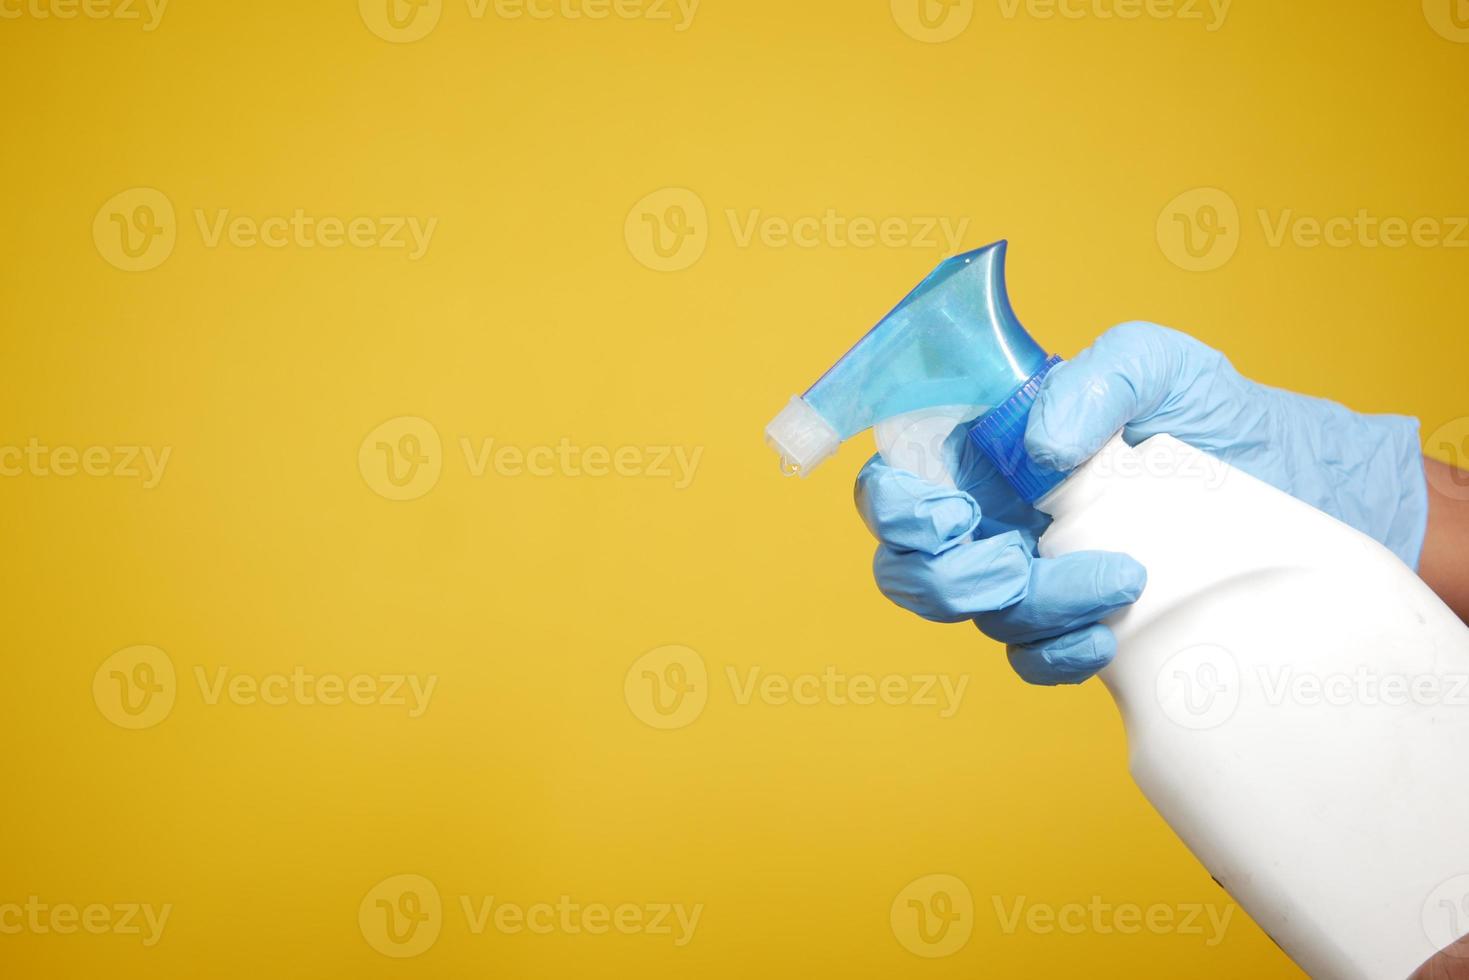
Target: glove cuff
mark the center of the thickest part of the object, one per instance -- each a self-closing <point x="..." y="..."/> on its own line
<point x="1407" y="529"/>
<point x="1365" y="470"/>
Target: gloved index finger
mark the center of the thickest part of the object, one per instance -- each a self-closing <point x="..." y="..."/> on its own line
<point x="1130" y="373"/>
<point x="908" y="513"/>
<point x="1066" y="594"/>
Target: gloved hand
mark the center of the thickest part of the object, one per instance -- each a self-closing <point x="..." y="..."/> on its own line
<point x="969" y="553"/>
<point x="1364" y="470"/>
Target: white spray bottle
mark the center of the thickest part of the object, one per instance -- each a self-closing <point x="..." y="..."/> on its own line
<point x="1296" y="699"/>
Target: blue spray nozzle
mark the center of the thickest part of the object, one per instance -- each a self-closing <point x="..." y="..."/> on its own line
<point x="1000" y="433"/>
<point x="953" y="343"/>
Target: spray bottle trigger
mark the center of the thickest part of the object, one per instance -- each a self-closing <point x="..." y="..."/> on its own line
<point x="919" y="441"/>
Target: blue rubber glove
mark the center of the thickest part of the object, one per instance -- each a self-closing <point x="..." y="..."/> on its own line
<point x="969" y="553"/>
<point x="1364" y="470"/>
<point x="952" y="555"/>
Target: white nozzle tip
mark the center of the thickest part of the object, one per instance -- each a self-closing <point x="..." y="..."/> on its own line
<point x="802" y="437"/>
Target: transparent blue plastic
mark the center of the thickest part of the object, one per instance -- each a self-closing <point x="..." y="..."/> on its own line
<point x="953" y="340"/>
<point x="1000" y="432"/>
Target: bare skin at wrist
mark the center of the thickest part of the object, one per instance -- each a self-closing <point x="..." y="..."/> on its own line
<point x="1445" y="562"/>
<point x="1450" y="964"/>
<point x="1445" y="567"/>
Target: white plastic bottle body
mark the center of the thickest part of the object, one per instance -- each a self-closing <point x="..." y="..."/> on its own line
<point x="1296" y="703"/>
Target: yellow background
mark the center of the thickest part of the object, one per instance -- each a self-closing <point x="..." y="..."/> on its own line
<point x="531" y="319"/>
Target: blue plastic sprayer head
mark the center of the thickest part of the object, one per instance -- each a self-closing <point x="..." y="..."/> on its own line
<point x="952" y="352"/>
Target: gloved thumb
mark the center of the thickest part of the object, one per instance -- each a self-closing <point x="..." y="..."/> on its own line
<point x="1130" y="373"/>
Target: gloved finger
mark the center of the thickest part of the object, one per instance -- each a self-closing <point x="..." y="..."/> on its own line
<point x="910" y="513"/>
<point x="1066" y="594"/>
<point x="971" y="578"/>
<point x="1133" y="371"/>
<point x="1068" y="659"/>
<point x="907" y="513"/>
